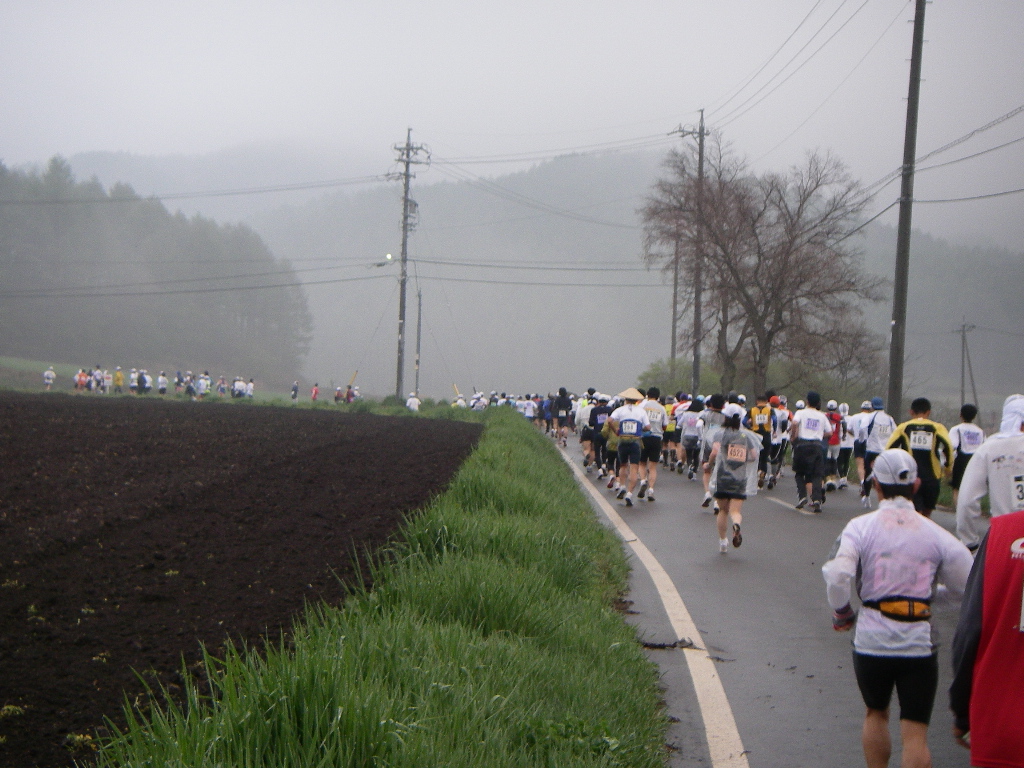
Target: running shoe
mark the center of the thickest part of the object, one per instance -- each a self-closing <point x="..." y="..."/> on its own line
<point x="622" y="493"/>
<point x="611" y="481"/>
<point x="771" y="482"/>
<point x="679" y="467"/>
<point x="688" y="474"/>
<point x="707" y="500"/>
<point x="601" y="474"/>
<point x="650" y="495"/>
<point x="760" y="482"/>
<point x="717" y="508"/>
<point x="802" y="502"/>
<point x="830" y="486"/>
<point x="816" y="508"/>
<point x="737" y="537"/>
<point x="865" y="501"/>
<point x="843" y="483"/>
<point x="643" y="489"/>
<point x="723" y="546"/>
<point x="629" y="499"/>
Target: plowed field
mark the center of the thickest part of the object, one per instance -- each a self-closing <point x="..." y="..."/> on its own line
<point x="133" y="530"/>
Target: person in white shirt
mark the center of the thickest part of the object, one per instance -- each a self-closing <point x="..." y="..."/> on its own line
<point x="845" y="446"/>
<point x="875" y="431"/>
<point x="413" y="403"/>
<point x="630" y="422"/>
<point x="894" y="557"/>
<point x="966" y="438"/>
<point x="161" y="383"/>
<point x="49" y="376"/>
<point x="650" y="453"/>
<point x="810" y="426"/>
<point x="853" y="426"/>
<point x="997" y="469"/>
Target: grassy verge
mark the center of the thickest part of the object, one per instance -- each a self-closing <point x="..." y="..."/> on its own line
<point x="488" y="639"/>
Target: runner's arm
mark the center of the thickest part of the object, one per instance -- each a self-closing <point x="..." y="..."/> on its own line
<point x="965" y="644"/>
<point x="973" y="488"/>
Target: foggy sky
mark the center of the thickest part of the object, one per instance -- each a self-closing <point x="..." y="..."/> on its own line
<point x="484" y="79"/>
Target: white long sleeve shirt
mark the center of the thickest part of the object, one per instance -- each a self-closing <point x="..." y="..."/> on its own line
<point x="996" y="469"/>
<point x="894" y="551"/>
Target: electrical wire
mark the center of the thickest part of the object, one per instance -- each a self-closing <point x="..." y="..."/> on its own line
<point x="739" y="112"/>
<point x="841" y="83"/>
<point x="160" y="196"/>
<point x="561" y="286"/>
<point x="641" y="142"/>
<point x="973" y="197"/>
<point x="969" y="157"/>
<point x="715" y="106"/>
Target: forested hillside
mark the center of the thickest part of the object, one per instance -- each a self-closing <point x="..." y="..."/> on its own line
<point x="96" y="276"/>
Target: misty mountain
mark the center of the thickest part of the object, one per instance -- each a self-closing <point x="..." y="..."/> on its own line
<point x="517" y="281"/>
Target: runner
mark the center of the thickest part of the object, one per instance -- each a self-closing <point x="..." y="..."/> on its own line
<point x="832" y="445"/>
<point x="598" y="416"/>
<point x="928" y="442"/>
<point x="997" y="470"/>
<point x="49" y="376"/>
<point x="413" y="403"/>
<point x="966" y="438"/>
<point x="713" y="420"/>
<point x="734" y="456"/>
<point x="629" y="422"/>
<point x="762" y="422"/>
<point x="810" y="427"/>
<point x="845" y="447"/>
<point x="988" y="649"/>
<point x="780" y="440"/>
<point x="894" y="557"/>
<point x="583" y="410"/>
<point x="874" y="431"/>
<point x="855" y="424"/>
<point x="690" y="429"/>
<point x="561" y="407"/>
<point x="650" y="453"/>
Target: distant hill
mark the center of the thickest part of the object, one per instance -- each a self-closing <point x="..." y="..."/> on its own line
<point x="498" y="332"/>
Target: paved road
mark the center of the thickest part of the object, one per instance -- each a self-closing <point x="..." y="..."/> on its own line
<point x="762" y="616"/>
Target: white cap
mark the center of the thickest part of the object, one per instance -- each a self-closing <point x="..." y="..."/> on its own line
<point x="894" y="467"/>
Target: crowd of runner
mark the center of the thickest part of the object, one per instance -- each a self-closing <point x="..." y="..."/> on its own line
<point x="894" y="559"/>
<point x="139" y="381"/>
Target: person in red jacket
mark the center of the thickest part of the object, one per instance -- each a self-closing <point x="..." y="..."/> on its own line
<point x="988" y="650"/>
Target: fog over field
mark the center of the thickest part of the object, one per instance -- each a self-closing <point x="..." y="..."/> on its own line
<point x="546" y="125"/>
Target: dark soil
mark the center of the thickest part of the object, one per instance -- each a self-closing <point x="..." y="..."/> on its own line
<point x="132" y="531"/>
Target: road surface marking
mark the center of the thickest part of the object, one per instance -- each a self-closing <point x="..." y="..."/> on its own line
<point x="723" y="737"/>
<point x="790" y="506"/>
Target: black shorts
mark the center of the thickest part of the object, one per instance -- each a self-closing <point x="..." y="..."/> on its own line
<point x="563" y="421"/>
<point x="727" y="495"/>
<point x="587" y="435"/>
<point x="629" y="452"/>
<point x="959" y="465"/>
<point x="672" y="438"/>
<point x="927" y="495"/>
<point x="651" y="450"/>
<point x="859" y="449"/>
<point x="916" y="678"/>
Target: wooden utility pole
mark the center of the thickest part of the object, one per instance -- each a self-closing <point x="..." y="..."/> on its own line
<point x="407" y="156"/>
<point x="897" y="342"/>
<point x="698" y="264"/>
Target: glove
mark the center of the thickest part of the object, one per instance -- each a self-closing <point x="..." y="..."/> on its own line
<point x="843" y="619"/>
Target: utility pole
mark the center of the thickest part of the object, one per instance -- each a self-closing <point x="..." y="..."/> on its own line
<point x="407" y="156"/>
<point x="419" y="329"/>
<point x="675" y="312"/>
<point x="966" y="369"/>
<point x="897" y="342"/>
<point x="698" y="265"/>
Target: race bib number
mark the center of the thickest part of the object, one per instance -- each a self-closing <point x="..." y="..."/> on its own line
<point x="813" y="425"/>
<point x="972" y="439"/>
<point x="561" y="414"/>
<point x="1018" y="493"/>
<point x="736" y="452"/>
<point x="629" y="428"/>
<point x="921" y="440"/>
<point x="884" y="430"/>
<point x="601" y="419"/>
<point x="761" y="420"/>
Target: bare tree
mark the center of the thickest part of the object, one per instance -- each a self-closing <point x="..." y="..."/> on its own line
<point x="785" y="279"/>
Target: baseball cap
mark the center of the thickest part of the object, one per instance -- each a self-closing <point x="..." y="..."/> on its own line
<point x="866" y="405"/>
<point x="894" y="467"/>
<point x="877" y="403"/>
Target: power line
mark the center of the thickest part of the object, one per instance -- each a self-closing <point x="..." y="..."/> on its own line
<point x="640" y="142"/>
<point x="715" y="106"/>
<point x="159" y="196"/>
<point x="578" y="267"/>
<point x="973" y="197"/>
<point x="742" y="109"/>
<point x="971" y="157"/>
<point x="841" y="83"/>
<point x="540" y="283"/>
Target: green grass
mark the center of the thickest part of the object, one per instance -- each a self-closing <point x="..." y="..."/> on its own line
<point x="487" y="640"/>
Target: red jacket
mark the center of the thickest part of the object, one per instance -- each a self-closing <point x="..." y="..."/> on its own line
<point x="988" y="649"/>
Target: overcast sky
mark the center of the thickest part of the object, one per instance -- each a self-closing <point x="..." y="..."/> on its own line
<point x="485" y="79"/>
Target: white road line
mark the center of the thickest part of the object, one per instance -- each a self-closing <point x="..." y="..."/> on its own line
<point x="723" y="737"/>
<point x="790" y="506"/>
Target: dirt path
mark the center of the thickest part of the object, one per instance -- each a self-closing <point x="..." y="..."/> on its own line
<point x="132" y="530"/>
